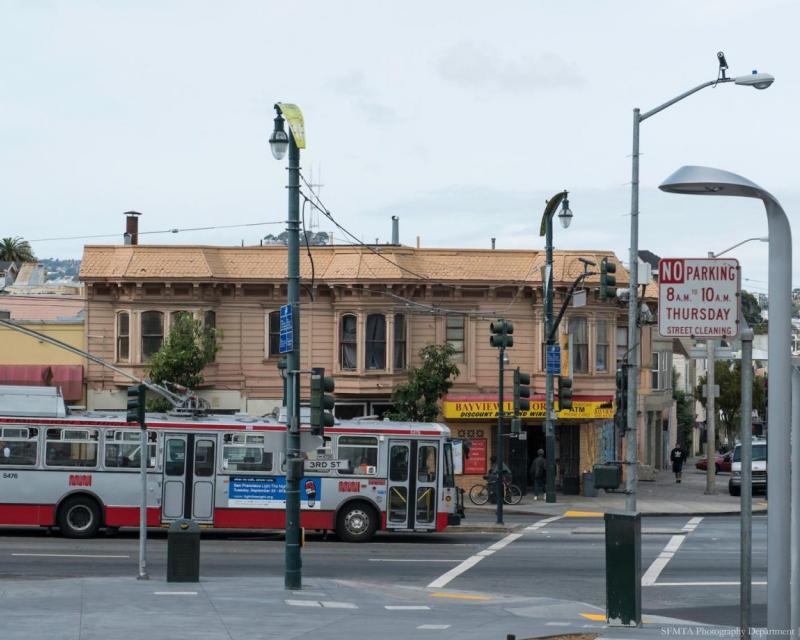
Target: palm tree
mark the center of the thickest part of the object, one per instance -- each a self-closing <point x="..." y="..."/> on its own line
<point x="16" y="250"/>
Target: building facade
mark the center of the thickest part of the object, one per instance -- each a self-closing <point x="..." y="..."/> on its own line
<point x="365" y="314"/>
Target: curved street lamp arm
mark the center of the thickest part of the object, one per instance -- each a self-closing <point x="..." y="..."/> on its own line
<point x="550" y="209"/>
<point x="739" y="244"/>
<point x="669" y="103"/>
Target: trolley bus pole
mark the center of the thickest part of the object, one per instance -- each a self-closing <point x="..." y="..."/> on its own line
<point x="143" y="455"/>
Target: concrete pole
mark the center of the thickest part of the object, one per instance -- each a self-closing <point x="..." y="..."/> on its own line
<point x="711" y="418"/>
<point x="293" y="572"/>
<point x="143" y="503"/>
<point x="795" y="524"/>
<point x="746" y="546"/>
<point x="633" y="328"/>
<point x="779" y="417"/>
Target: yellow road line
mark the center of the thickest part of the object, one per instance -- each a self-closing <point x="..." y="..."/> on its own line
<point x="597" y="617"/>
<point x="583" y="514"/>
<point x="461" y="596"/>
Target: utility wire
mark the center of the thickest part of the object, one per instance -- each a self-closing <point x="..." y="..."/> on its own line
<point x="173" y="230"/>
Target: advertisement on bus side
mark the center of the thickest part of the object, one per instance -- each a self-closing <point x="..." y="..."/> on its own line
<point x="270" y="492"/>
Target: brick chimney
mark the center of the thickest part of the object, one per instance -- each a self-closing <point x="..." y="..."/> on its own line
<point x="131" y="227"/>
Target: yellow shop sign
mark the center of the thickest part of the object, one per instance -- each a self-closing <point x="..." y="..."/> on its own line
<point x="481" y="410"/>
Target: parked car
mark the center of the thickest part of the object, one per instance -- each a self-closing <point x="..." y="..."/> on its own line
<point x="722" y="463"/>
<point x="759" y="468"/>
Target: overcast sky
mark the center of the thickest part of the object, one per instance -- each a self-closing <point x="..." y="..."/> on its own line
<point x="459" y="118"/>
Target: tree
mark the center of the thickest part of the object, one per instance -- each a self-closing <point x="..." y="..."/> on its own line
<point x="751" y="311"/>
<point x="729" y="379"/>
<point x="314" y="238"/>
<point x="418" y="399"/>
<point x="188" y="348"/>
<point x="16" y="250"/>
<point x="684" y="410"/>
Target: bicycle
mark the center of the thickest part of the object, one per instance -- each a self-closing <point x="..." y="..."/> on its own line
<point x="480" y="493"/>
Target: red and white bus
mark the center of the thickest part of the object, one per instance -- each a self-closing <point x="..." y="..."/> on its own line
<point x="81" y="472"/>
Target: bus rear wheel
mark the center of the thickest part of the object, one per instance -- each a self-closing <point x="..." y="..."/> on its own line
<point x="356" y="522"/>
<point x="79" y="517"/>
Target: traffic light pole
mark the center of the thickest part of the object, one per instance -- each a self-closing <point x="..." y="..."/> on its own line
<point x="143" y="456"/>
<point x="499" y="493"/>
<point x="293" y="575"/>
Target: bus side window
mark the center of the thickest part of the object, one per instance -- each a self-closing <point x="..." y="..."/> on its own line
<point x="175" y="457"/>
<point x="362" y="452"/>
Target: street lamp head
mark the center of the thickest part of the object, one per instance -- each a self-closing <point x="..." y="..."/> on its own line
<point x="708" y="181"/>
<point x="565" y="217"/>
<point x="279" y="140"/>
<point x="756" y="80"/>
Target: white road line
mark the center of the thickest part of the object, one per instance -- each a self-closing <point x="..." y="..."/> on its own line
<point x="408" y="560"/>
<point x="651" y="575"/>
<point x="701" y="584"/>
<point x="434" y="626"/>
<point x="303" y="603"/>
<point x="557" y="624"/>
<point x="407" y="607"/>
<point x="63" y="555"/>
<point x="470" y="562"/>
<point x="338" y="605"/>
<point x="174" y="593"/>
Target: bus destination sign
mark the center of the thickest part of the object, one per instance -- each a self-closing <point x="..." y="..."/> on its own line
<point x="698" y="297"/>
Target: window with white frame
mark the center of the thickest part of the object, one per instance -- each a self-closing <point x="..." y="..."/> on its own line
<point x="375" y="342"/>
<point x="348" y="342"/>
<point x="661" y="377"/>
<point x="272" y="332"/>
<point x="399" y="341"/>
<point x="622" y="344"/>
<point x="601" y="346"/>
<point x="123" y="335"/>
<point x="152" y="332"/>
<point x="579" y="345"/>
<point x="455" y="335"/>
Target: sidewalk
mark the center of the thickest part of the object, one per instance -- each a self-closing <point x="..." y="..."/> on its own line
<point x="256" y="608"/>
<point x="661" y="497"/>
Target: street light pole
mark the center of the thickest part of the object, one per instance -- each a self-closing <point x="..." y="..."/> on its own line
<point x="756" y="80"/>
<point x="710" y="181"/>
<point x="546" y="230"/>
<point x="293" y="574"/>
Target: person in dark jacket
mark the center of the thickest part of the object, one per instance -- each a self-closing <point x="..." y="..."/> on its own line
<point x="538" y="472"/>
<point x="677" y="456"/>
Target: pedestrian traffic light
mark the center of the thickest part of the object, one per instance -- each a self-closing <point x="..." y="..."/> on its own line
<point x="136" y="400"/>
<point x="608" y="283"/>
<point x="321" y="404"/>
<point x="564" y="393"/>
<point x="621" y="395"/>
<point x="522" y="391"/>
<point x="501" y="334"/>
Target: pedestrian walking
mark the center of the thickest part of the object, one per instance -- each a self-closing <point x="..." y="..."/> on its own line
<point x="677" y="455"/>
<point x="539" y="473"/>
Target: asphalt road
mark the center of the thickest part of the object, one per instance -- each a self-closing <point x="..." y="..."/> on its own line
<point x="562" y="559"/>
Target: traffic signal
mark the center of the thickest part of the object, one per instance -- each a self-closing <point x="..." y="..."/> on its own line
<point x="501" y="334"/>
<point x="136" y="398"/>
<point x="522" y="391"/>
<point x="564" y="393"/>
<point x="516" y="425"/>
<point x="608" y="283"/>
<point x="321" y="404"/>
<point x="621" y="394"/>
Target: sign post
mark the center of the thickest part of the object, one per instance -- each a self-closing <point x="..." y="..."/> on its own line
<point x="698" y="297"/>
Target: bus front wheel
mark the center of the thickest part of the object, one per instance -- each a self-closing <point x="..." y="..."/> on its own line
<point x="79" y="517"/>
<point x="356" y="522"/>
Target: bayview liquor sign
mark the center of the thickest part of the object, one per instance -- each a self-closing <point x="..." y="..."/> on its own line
<point x="698" y="297"/>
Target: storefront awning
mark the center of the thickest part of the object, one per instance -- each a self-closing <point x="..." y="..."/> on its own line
<point x="69" y="377"/>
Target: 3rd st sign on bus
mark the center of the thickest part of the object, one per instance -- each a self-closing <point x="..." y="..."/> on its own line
<point x="698" y="297"/>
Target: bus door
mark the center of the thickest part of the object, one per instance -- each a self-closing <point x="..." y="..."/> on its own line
<point x="189" y="472"/>
<point x="413" y="471"/>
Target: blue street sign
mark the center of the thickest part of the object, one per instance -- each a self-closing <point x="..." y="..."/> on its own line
<point x="287" y="330"/>
<point x="554" y="359"/>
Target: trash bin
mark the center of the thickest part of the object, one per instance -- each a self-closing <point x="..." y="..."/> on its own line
<point x="183" y="551"/>
<point x="589" y="490"/>
<point x="607" y="476"/>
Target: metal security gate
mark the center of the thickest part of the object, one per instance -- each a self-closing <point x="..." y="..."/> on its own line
<point x="188" y="490"/>
<point x="569" y="454"/>
<point x="413" y="474"/>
